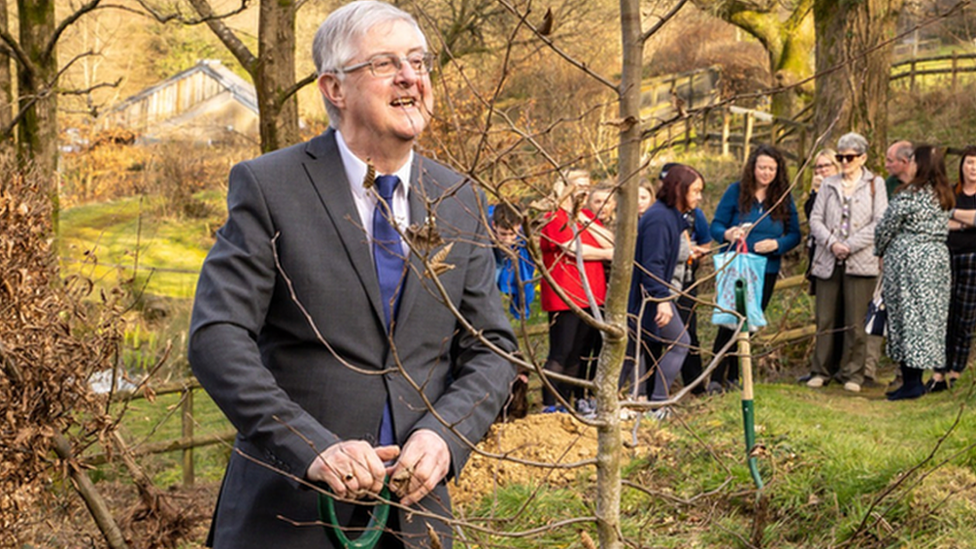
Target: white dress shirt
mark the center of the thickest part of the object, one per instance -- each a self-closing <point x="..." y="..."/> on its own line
<point x="366" y="199"/>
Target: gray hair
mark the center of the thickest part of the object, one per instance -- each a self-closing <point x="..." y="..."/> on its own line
<point x="337" y="40"/>
<point x="854" y="142"/>
<point x="903" y="150"/>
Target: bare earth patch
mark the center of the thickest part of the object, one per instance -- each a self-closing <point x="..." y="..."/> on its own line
<point x="552" y="439"/>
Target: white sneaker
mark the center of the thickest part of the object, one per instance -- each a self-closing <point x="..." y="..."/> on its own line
<point x="661" y="414"/>
<point x="852" y="387"/>
<point x="816" y="382"/>
<point x="627" y="414"/>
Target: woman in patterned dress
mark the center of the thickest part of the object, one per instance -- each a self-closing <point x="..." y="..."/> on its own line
<point x="911" y="239"/>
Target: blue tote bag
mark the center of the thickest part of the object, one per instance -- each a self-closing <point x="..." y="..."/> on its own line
<point x="729" y="267"/>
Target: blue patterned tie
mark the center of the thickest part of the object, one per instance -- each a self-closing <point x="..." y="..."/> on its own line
<point x="388" y="256"/>
<point x="387" y="247"/>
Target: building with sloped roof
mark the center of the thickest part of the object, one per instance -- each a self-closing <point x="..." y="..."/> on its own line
<point x="206" y="103"/>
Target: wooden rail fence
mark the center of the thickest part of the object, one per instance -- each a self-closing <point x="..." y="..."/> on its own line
<point x="918" y="67"/>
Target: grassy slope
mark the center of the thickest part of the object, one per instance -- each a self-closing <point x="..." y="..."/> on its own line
<point x="101" y="239"/>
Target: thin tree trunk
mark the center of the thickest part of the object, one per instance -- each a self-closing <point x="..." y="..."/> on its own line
<point x="93" y="500"/>
<point x="275" y="71"/>
<point x="609" y="443"/>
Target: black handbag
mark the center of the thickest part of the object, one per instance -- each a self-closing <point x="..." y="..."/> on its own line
<point x="876" y="320"/>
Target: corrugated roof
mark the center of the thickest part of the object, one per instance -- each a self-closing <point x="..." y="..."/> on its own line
<point x="242" y="90"/>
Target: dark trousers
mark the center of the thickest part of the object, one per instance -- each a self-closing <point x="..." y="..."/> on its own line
<point x="569" y="338"/>
<point x="962" y="313"/>
<point x="728" y="369"/>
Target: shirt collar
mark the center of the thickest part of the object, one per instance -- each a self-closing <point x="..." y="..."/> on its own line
<point x="356" y="169"/>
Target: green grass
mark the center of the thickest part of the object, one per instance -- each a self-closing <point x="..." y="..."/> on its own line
<point x="146" y="422"/>
<point x="106" y="241"/>
<point x="830" y="456"/>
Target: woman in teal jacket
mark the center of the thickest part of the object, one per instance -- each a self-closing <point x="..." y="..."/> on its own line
<point x="760" y="208"/>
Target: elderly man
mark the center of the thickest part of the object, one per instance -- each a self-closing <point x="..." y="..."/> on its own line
<point x="318" y="327"/>
<point x="898" y="164"/>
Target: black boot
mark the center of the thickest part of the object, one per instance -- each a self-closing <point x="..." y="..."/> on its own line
<point x="912" y="386"/>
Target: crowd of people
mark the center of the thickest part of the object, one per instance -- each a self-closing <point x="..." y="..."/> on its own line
<point x="911" y="234"/>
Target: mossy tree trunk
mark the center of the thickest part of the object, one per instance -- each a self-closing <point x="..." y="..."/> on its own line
<point x="786" y="30"/>
<point x="853" y="69"/>
<point x="6" y="80"/>
<point x="37" y="70"/>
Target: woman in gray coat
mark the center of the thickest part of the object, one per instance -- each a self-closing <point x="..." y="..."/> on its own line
<point x="911" y="238"/>
<point x="845" y="269"/>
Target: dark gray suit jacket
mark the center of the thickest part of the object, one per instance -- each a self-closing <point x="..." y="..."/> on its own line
<point x="291" y="394"/>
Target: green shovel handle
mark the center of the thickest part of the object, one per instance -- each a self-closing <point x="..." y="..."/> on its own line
<point x="745" y="367"/>
<point x="371" y="534"/>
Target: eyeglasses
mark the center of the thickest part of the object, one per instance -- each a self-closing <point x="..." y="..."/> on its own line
<point x="822" y="166"/>
<point x="846" y="157"/>
<point x="388" y="64"/>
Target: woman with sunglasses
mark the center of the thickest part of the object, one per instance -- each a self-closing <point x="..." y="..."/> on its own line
<point x="760" y="209"/>
<point x="845" y="269"/>
<point x="962" y="253"/>
<point x="911" y="239"/>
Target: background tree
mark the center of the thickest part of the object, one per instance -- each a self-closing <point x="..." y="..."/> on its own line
<point x="854" y="47"/>
<point x="272" y="70"/>
<point x="786" y="31"/>
<point x="6" y="83"/>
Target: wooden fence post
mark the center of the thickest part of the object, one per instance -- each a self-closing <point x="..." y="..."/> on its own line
<point x="726" y="120"/>
<point x="188" y="472"/>
<point x="912" y="78"/>
<point x="955" y="65"/>
<point x="747" y="137"/>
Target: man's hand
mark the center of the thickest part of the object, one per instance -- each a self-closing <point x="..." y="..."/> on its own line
<point x="352" y="468"/>
<point x="766" y="246"/>
<point x="424" y="462"/>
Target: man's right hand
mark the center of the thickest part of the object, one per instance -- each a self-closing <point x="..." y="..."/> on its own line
<point x="352" y="468"/>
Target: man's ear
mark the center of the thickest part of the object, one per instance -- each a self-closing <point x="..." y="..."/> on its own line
<point x="331" y="88"/>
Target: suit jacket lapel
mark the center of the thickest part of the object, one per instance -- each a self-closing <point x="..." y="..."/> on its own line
<point x="418" y="215"/>
<point x="328" y="176"/>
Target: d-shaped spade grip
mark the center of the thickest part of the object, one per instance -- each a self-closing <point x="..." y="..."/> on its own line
<point x="371" y="534"/>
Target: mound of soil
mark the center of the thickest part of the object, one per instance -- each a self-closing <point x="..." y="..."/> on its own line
<point x="537" y="448"/>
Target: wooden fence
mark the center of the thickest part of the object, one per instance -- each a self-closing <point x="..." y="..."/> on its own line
<point x="916" y="68"/>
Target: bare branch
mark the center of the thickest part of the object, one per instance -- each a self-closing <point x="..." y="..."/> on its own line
<point x="67" y="22"/>
<point x="225" y="34"/>
<point x="667" y="17"/>
<point x="548" y="41"/>
<point x="295" y="88"/>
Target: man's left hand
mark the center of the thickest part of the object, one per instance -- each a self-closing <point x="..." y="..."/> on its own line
<point x="425" y="461"/>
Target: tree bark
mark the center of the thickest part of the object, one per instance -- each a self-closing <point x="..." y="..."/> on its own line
<point x="275" y="73"/>
<point x="37" y="131"/>
<point x="853" y="68"/>
<point x="609" y="442"/>
<point x="272" y="71"/>
<point x="6" y="82"/>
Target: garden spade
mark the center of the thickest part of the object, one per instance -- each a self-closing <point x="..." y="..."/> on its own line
<point x="745" y="368"/>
